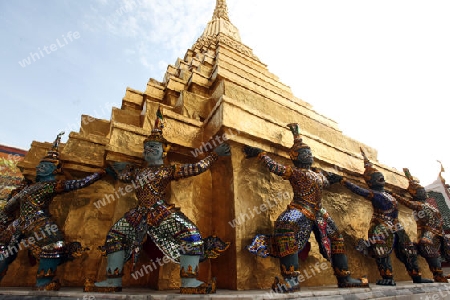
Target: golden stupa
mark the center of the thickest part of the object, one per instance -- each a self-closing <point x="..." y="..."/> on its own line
<point x="219" y="89"/>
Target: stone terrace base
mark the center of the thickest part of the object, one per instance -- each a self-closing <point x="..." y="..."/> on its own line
<point x="403" y="290"/>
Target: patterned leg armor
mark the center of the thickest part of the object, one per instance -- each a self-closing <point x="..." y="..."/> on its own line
<point x="406" y="252"/>
<point x="6" y="258"/>
<point x="435" y="267"/>
<point x="431" y="252"/>
<point x="188" y="275"/>
<point x="339" y="260"/>
<point x="114" y="273"/>
<point x="289" y="270"/>
<point x="292" y="232"/>
<point x="385" y="268"/>
<point x="46" y="273"/>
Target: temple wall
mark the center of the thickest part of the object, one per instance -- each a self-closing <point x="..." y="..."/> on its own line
<point x="10" y="175"/>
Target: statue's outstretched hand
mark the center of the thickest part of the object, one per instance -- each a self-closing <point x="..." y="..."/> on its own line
<point x="115" y="168"/>
<point x="332" y="177"/>
<point x="119" y="166"/>
<point x="400" y="194"/>
<point x="251" y="151"/>
<point x="223" y="150"/>
<point x="110" y="171"/>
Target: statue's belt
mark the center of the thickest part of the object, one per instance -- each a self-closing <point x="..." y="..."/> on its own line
<point x="379" y="215"/>
<point x="26" y="221"/>
<point x="430" y="229"/>
<point x="156" y="213"/>
<point x="305" y="209"/>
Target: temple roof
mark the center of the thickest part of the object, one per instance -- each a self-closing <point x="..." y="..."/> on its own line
<point x="220" y="23"/>
<point x="440" y="192"/>
<point x="442" y="207"/>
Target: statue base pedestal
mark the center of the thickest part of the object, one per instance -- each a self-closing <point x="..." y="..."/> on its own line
<point x="403" y="290"/>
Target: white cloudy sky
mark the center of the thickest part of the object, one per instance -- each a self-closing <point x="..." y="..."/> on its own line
<point x="381" y="69"/>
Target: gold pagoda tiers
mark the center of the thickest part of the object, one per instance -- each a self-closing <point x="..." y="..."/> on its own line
<point x="218" y="89"/>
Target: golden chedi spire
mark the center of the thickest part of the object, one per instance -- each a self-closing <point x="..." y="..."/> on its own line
<point x="221" y="10"/>
<point x="220" y="23"/>
<point x="220" y="31"/>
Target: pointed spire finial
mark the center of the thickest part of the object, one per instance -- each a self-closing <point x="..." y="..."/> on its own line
<point x="442" y="170"/>
<point x="221" y="10"/>
<point x="220" y="24"/>
<point x="442" y="167"/>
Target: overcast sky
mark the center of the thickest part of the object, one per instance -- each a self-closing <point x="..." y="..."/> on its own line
<point x="381" y="69"/>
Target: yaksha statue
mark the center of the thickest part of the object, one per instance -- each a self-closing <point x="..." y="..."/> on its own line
<point x="430" y="233"/>
<point x="303" y="215"/>
<point x="34" y="229"/>
<point x="6" y="218"/>
<point x="170" y="230"/>
<point x="385" y="232"/>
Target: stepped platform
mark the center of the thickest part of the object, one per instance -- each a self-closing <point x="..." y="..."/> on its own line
<point x="403" y="290"/>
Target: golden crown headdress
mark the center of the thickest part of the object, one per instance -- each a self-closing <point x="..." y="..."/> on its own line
<point x="156" y="134"/>
<point x="368" y="166"/>
<point x="53" y="154"/>
<point x="414" y="184"/>
<point x="298" y="142"/>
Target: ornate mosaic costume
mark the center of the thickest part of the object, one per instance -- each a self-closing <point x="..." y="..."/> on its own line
<point x="6" y="218"/>
<point x="385" y="232"/>
<point x="384" y="223"/>
<point x="33" y="202"/>
<point x="33" y="228"/>
<point x="431" y="242"/>
<point x="302" y="216"/>
<point x="166" y="225"/>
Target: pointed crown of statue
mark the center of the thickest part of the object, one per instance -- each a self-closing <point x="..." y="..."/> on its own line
<point x="414" y="184"/>
<point x="298" y="142"/>
<point x="157" y="132"/>
<point x="53" y="154"/>
<point x="368" y="166"/>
